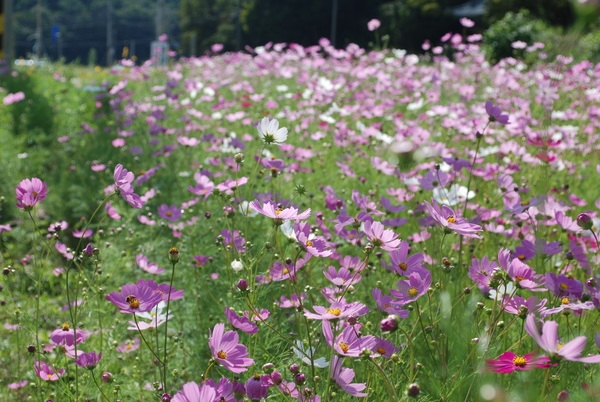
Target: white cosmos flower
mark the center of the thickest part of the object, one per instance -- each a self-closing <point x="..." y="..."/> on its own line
<point x="498" y="294"/>
<point x="456" y="194"/>
<point x="237" y="265"/>
<point x="270" y="132"/>
<point x="305" y="353"/>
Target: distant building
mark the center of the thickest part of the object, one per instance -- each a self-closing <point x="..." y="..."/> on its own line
<point x="470" y="9"/>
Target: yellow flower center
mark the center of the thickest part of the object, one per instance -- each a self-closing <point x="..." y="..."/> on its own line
<point x="563" y="286"/>
<point x="221" y="354"/>
<point x="285" y="271"/>
<point x="519" y="278"/>
<point x="169" y="213"/>
<point x="412" y="292"/>
<point x="519" y="361"/>
<point x="133" y="302"/>
<point x="35" y="193"/>
<point x="65" y="327"/>
<point x="524" y="203"/>
<point x="334" y="311"/>
<point x="381" y="350"/>
<point x="451" y="219"/>
<point x="309" y="243"/>
<point x="343" y="346"/>
<point x="403" y="266"/>
<point x="278" y="211"/>
<point x="521" y="257"/>
<point x="565" y="300"/>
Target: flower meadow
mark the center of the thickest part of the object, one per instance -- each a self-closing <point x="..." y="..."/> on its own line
<point x="304" y="223"/>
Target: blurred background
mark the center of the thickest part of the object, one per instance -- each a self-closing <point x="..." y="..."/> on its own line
<point x="100" y="32"/>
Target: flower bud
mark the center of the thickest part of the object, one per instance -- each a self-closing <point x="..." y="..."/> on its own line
<point x="276" y="377"/>
<point x="294" y="368"/>
<point x="242" y="285"/>
<point x="107" y="377"/>
<point x="300" y="378"/>
<point x="389" y="324"/>
<point x="585" y="221"/>
<point x="174" y="255"/>
<point x="413" y="390"/>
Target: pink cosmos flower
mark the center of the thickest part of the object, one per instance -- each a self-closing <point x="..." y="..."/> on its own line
<point x="242" y="323"/>
<point x="495" y="113"/>
<point x="508" y="362"/>
<point x="227" y="350"/>
<point x="548" y="341"/>
<point x="381" y="237"/>
<point x="450" y="221"/>
<point x="13" y="98"/>
<point x="82" y="233"/>
<point x="343" y="278"/>
<point x="123" y="179"/>
<point x="257" y="387"/>
<point x="337" y="310"/>
<point x="150" y="267"/>
<point x="129" y="345"/>
<point x="482" y="272"/>
<point x="47" y="373"/>
<point x="402" y="263"/>
<point x="192" y="392"/>
<point x="111" y="211"/>
<point x="343" y="378"/>
<point x="29" y="192"/>
<point x="388" y="304"/>
<point x="415" y="286"/>
<point x="373" y="24"/>
<point x="270" y="210"/>
<point x="135" y="298"/>
<point x="348" y="342"/>
<point x="17" y="385"/>
<point x="316" y="246"/>
<point x="467" y="23"/>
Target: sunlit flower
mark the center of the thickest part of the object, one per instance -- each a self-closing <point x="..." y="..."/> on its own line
<point x="29" y="192"/>
<point x="508" y="362"/>
<point x="270" y="133"/>
<point x="227" y="350"/>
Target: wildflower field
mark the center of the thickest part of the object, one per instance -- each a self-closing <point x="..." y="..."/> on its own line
<point x="302" y="223"/>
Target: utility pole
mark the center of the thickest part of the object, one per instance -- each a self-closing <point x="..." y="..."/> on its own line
<point x="238" y="27"/>
<point x="334" y="13"/>
<point x="7" y="35"/>
<point x="110" y="48"/>
<point x="38" y="30"/>
<point x="159" y="25"/>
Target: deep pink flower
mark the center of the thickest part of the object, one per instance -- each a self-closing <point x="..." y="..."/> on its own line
<point x="508" y="362"/>
<point x="257" y="387"/>
<point x="29" y="192"/>
<point x="135" y="298"/>
<point x="123" y="179"/>
<point x="495" y="113"/>
<point x="548" y="341"/>
<point x="343" y="377"/>
<point x="66" y="335"/>
<point x="227" y="350"/>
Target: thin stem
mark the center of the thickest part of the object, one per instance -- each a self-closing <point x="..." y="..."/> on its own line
<point x="98" y="386"/>
<point x="386" y="381"/>
<point x="167" y="327"/>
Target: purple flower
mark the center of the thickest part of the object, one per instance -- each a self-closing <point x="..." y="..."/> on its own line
<point x="257" y="387"/>
<point x="380" y="237"/>
<point x="563" y="286"/>
<point x="402" y="263"/>
<point x="135" y="298"/>
<point x="227" y="350"/>
<point x="482" y="272"/>
<point x="123" y="179"/>
<point x="68" y="336"/>
<point x="29" y="192"/>
<point x="170" y="213"/>
<point x="270" y="210"/>
<point x="343" y="278"/>
<point x="388" y="304"/>
<point x="525" y="277"/>
<point x="88" y="360"/>
<point x="241" y="323"/>
<point x="448" y="219"/>
<point x="508" y="362"/>
<point x="343" y="377"/>
<point x="548" y="341"/>
<point x="495" y="113"/>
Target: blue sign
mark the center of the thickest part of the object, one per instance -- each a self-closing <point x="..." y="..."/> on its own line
<point x="55" y="34"/>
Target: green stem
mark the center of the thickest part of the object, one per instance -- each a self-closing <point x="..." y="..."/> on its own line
<point x="98" y="386"/>
<point x="167" y="328"/>
<point x="386" y="381"/>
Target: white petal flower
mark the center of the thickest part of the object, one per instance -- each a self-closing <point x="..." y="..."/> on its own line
<point x="270" y="132"/>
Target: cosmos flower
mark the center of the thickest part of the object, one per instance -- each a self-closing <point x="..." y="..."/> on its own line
<point x="270" y="133"/>
<point x="508" y="362"/>
<point x="29" y="192"/>
<point x="381" y="237"/>
<point x="337" y="310"/>
<point x="47" y="373"/>
<point x="88" y="360"/>
<point x="227" y="350"/>
<point x="450" y="221"/>
<point x="123" y="179"/>
<point x="495" y="114"/>
<point x="548" y="341"/>
<point x="240" y="322"/>
<point x="170" y="213"/>
<point x="343" y="377"/>
<point x="135" y="298"/>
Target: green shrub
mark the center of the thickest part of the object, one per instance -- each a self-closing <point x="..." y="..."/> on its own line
<point x="553" y="12"/>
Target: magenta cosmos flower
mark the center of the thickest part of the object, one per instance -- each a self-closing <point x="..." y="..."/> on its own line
<point x="508" y="362"/>
<point x="192" y="392"/>
<point x="448" y="219"/>
<point x="29" y="192"/>
<point x="170" y="213"/>
<point x="135" y="298"/>
<point x="337" y="310"/>
<point x="227" y="350"/>
<point x="123" y="179"/>
<point x="242" y="323"/>
<point x="88" y="360"/>
<point x="548" y="341"/>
